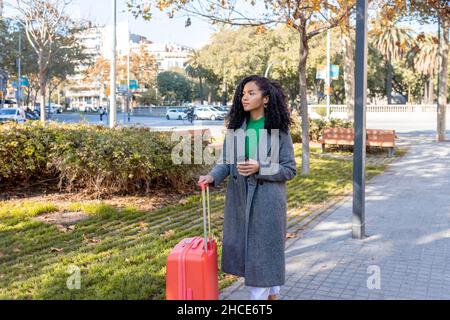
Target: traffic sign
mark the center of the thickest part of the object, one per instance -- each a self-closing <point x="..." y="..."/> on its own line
<point x="23" y="82"/>
<point x="321" y="72"/>
<point x="133" y="84"/>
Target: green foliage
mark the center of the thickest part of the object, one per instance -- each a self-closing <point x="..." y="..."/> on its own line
<point x="174" y="87"/>
<point x="316" y="127"/>
<point x="148" y="98"/>
<point x="93" y="158"/>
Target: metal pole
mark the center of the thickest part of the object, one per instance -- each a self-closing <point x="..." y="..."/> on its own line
<point x="112" y="107"/>
<point x="359" y="155"/>
<point x="267" y="70"/>
<point x="328" y="69"/>
<point x="438" y="79"/>
<point x="19" y="71"/>
<point x="128" y="82"/>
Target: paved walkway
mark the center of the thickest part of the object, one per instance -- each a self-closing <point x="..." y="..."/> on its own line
<point x="408" y="243"/>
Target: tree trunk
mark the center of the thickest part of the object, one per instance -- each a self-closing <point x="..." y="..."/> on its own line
<point x="210" y="95"/>
<point x="349" y="70"/>
<point x="49" y="94"/>
<point x="224" y="95"/>
<point x="35" y="96"/>
<point x="409" y="93"/>
<point x="389" y="82"/>
<point x="28" y="96"/>
<point x="425" y="93"/>
<point x="430" y="98"/>
<point x="303" y="52"/>
<point x="42" y="94"/>
<point x="201" y="90"/>
<point x="443" y="80"/>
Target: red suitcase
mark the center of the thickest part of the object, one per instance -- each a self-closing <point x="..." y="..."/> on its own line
<point x="191" y="268"/>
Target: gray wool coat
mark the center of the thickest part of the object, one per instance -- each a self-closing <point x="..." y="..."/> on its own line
<point x="254" y="227"/>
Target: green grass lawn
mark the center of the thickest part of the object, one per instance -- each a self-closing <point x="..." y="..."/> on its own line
<point x="121" y="252"/>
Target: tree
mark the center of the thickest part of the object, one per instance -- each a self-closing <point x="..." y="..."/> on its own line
<point x="46" y="26"/>
<point x="393" y="42"/>
<point x="143" y="67"/>
<point x="306" y="17"/>
<point x="194" y="69"/>
<point x="148" y="98"/>
<point x="437" y="11"/>
<point x="65" y="62"/>
<point x="348" y="46"/>
<point x="423" y="58"/>
<point x="99" y="72"/>
<point x="174" y="87"/>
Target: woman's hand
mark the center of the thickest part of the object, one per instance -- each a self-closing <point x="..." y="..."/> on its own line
<point x="250" y="166"/>
<point x="205" y="179"/>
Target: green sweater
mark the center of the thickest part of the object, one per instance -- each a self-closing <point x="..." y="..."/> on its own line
<point x="250" y="143"/>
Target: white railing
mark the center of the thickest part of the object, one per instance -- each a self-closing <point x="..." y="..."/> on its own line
<point x="340" y="108"/>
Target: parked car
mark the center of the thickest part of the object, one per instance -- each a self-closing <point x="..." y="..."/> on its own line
<point x="8" y="103"/>
<point x="53" y="108"/>
<point x="177" y="114"/>
<point x="223" y="111"/>
<point x="12" y="114"/>
<point x="209" y="113"/>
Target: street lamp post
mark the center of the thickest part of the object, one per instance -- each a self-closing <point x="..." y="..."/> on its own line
<point x="327" y="79"/>
<point x="266" y="73"/>
<point x="128" y="81"/>
<point x="112" y="95"/>
<point x="19" y="71"/>
<point x="359" y="155"/>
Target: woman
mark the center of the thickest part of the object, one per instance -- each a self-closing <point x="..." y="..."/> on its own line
<point x="255" y="208"/>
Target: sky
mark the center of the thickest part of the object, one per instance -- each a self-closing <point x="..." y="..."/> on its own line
<point x="160" y="28"/>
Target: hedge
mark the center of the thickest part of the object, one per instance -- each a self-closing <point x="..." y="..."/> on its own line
<point x="316" y="127"/>
<point x="96" y="159"/>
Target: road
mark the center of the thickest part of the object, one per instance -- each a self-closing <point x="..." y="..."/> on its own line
<point x="402" y="123"/>
<point x="155" y="123"/>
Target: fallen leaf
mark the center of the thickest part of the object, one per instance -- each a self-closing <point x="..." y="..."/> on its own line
<point x="168" y="233"/>
<point x="56" y="249"/>
<point x="61" y="228"/>
<point x="143" y="226"/>
<point x="90" y="242"/>
<point x="290" y="235"/>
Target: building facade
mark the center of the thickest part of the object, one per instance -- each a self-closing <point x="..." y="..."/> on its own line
<point x="169" y="55"/>
<point x="88" y="95"/>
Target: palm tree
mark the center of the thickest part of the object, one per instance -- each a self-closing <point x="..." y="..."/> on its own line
<point x="393" y="42"/>
<point x="195" y="70"/>
<point x="423" y="57"/>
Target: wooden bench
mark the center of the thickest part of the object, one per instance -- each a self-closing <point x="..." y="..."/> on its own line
<point x="345" y="136"/>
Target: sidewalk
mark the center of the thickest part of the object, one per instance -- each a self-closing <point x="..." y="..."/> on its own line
<point x="408" y="229"/>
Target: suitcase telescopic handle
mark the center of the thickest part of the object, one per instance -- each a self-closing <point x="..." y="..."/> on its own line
<point x="206" y="206"/>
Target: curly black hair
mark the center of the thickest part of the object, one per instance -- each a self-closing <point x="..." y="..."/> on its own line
<point x="277" y="113"/>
